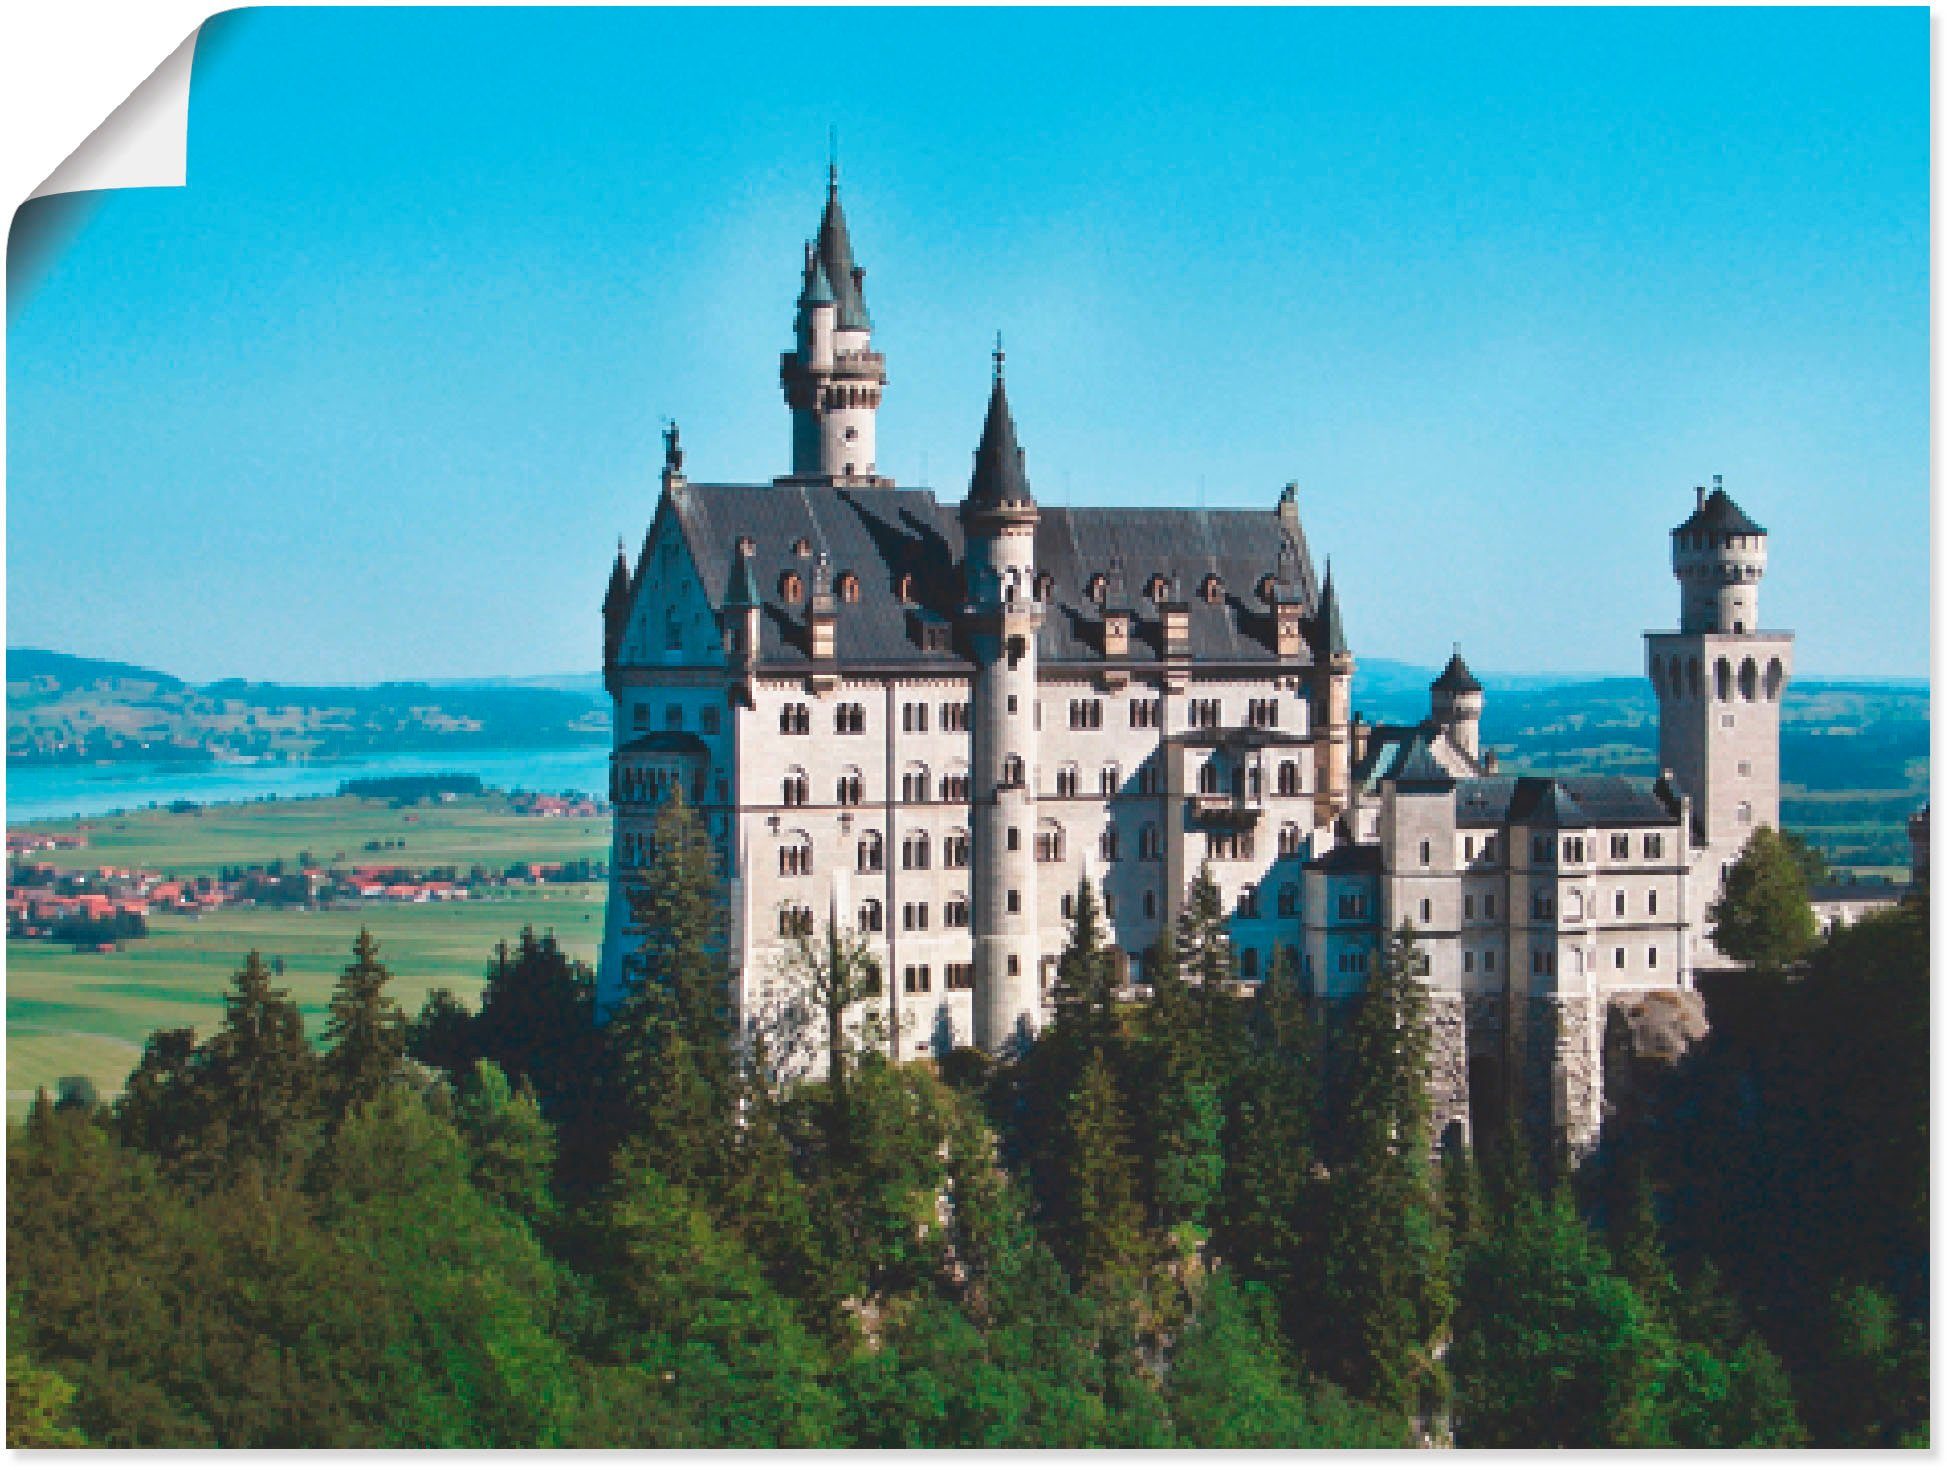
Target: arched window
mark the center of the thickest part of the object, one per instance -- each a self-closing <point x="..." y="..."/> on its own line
<point x="872" y="916"/>
<point x="1267" y="587"/>
<point x="794" y="856"/>
<point x="1014" y="771"/>
<point x="1747" y="680"/>
<point x="959" y="913"/>
<point x="1210" y="778"/>
<point x="801" y="547"/>
<point x="1068" y="781"/>
<point x="1290" y="840"/>
<point x="955" y="786"/>
<point x="848" y="587"/>
<point x="957" y="849"/>
<point x="915" y="785"/>
<point x="1288" y="901"/>
<point x="1159" y="588"/>
<point x="1723" y="679"/>
<point x="1247" y="901"/>
<point x="916" y="851"/>
<point x="1050" y="843"/>
<point x="797" y="788"/>
<point x="790" y="587"/>
<point x="1213" y="588"/>
<point x="904" y="588"/>
<point x="872" y="852"/>
<point x="1774" y="680"/>
<point x="850" y="719"/>
<point x="851" y="787"/>
<point x="1288" y="778"/>
<point x="1692" y="679"/>
<point x="1044" y="586"/>
<point x="1098" y="589"/>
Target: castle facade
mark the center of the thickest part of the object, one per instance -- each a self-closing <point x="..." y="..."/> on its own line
<point x="928" y="721"/>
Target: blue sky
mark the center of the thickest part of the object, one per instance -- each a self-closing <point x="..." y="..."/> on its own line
<point x="373" y="396"/>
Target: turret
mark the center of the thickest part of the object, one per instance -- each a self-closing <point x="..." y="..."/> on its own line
<point x="1457" y="703"/>
<point x="1331" y="696"/>
<point x="1003" y="618"/>
<point x="832" y="378"/>
<point x="1718" y="556"/>
<point x="615" y="607"/>
<point x="742" y="608"/>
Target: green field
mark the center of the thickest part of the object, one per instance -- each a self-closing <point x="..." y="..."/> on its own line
<point x="88" y="1014"/>
<point x="333" y="830"/>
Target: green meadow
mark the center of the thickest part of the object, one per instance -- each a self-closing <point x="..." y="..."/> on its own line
<point x="72" y="1014"/>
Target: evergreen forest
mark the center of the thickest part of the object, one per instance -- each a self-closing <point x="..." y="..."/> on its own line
<point x="1201" y="1218"/>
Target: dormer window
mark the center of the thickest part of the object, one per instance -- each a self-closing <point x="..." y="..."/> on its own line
<point x="1159" y="588"/>
<point x="746" y="546"/>
<point x="904" y="587"/>
<point x="1213" y="588"/>
<point x="1267" y="588"/>
<point x="801" y="547"/>
<point x="848" y="587"/>
<point x="790" y="587"/>
<point x="1098" y="589"/>
<point x="1044" y="587"/>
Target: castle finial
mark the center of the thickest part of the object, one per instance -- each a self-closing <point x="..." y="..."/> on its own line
<point x="831" y="158"/>
<point x="1000" y="359"/>
<point x="672" y="448"/>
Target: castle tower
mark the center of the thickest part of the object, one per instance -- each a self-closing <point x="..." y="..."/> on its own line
<point x="1719" y="681"/>
<point x="832" y="378"/>
<point x="1457" y="703"/>
<point x="1331" y="697"/>
<point x="1003" y="619"/>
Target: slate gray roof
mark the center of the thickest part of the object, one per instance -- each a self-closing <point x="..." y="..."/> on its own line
<point x="1000" y="472"/>
<point x="665" y="742"/>
<point x="1559" y="801"/>
<point x="882" y="536"/>
<point x="1457" y="678"/>
<point x="1720" y="513"/>
<point x="835" y="254"/>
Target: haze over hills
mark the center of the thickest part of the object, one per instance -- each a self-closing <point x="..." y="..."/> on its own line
<point x="1855" y="752"/>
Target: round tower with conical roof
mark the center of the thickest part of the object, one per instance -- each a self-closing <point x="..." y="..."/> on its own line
<point x="1003" y="620"/>
<point x="1458" y="700"/>
<point x="1720" y="683"/>
<point x="832" y="379"/>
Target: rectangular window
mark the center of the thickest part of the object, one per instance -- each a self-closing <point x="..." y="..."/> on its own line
<point x="1426" y="911"/>
<point x="639" y="717"/>
<point x="1544" y="848"/>
<point x="1014" y="960"/>
<point x="1467" y="848"/>
<point x="1653" y="845"/>
<point x="1467" y="906"/>
<point x="959" y="977"/>
<point x="1490" y="905"/>
<point x="1619" y="846"/>
<point x="1014" y="905"/>
<point x="1487" y="961"/>
<point x="1467" y="962"/>
<point x="1621" y="903"/>
<point x="1650" y="899"/>
<point x="1622" y="957"/>
<point x="1649" y="958"/>
<point x="712" y="720"/>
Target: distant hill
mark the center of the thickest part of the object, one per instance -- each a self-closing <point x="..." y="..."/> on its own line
<point x="62" y="709"/>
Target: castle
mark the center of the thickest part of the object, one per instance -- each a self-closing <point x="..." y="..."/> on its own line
<point x="929" y="721"/>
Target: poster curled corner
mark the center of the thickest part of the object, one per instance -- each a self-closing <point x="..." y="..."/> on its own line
<point x="143" y="144"/>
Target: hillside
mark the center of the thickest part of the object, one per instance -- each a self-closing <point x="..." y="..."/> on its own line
<point x="62" y="709"/>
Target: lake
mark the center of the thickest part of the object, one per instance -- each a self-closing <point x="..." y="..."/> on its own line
<point x="42" y="793"/>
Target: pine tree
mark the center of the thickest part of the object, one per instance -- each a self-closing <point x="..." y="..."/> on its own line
<point x="1085" y="980"/>
<point x="1178" y="1109"/>
<point x="1204" y="942"/>
<point x="1386" y="1267"/>
<point x="1103" y="1227"/>
<point x="262" y="1077"/>
<point x="1272" y="1196"/>
<point x="670" y="1040"/>
<point x="366" y="1034"/>
<point x="1764" y="917"/>
<point x="537" y="1017"/>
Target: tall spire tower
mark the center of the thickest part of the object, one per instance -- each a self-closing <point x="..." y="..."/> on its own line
<point x="1003" y="616"/>
<point x="832" y="378"/>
